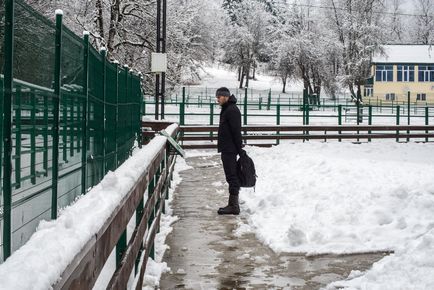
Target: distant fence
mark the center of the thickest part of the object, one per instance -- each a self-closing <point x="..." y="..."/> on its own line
<point x="205" y="137"/>
<point x="69" y="116"/>
<point x="301" y="113"/>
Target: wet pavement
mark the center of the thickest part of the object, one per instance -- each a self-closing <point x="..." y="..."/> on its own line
<point x="205" y="253"/>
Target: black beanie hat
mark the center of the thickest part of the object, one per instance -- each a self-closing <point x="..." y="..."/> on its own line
<point x="223" y="91"/>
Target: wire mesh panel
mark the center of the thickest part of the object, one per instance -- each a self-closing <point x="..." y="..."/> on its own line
<point x="96" y="118"/>
<point x="2" y="34"/>
<point x="33" y="64"/>
<point x="71" y="107"/>
<point x="111" y="103"/>
<point x="91" y="89"/>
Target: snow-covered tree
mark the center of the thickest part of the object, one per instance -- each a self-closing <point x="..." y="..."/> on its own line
<point x="423" y="27"/>
<point x="246" y="37"/>
<point x="357" y="28"/>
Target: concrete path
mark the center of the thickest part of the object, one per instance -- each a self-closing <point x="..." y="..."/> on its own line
<point x="206" y="254"/>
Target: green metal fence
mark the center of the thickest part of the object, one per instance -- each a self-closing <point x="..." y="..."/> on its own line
<point x="308" y="111"/>
<point x="69" y="116"/>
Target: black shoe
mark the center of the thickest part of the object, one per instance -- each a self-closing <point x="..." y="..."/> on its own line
<point x="232" y="208"/>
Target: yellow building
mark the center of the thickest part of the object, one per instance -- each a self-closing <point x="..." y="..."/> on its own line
<point x="402" y="69"/>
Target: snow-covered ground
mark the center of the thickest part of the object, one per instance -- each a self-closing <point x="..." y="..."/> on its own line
<point x="317" y="198"/>
<point x="221" y="76"/>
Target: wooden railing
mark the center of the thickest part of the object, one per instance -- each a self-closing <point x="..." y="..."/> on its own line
<point x="84" y="270"/>
<point x="195" y="137"/>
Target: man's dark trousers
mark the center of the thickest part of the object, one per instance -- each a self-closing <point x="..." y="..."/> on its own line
<point x="230" y="167"/>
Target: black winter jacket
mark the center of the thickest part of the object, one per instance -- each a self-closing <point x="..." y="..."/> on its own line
<point x="229" y="134"/>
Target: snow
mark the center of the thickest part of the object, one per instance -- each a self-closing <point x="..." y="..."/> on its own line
<point x="406" y="54"/>
<point x="348" y="198"/>
<point x="222" y="76"/>
<point x="54" y="244"/>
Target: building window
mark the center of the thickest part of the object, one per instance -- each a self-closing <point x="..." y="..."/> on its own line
<point x="384" y="73"/>
<point x="405" y="73"/>
<point x="390" y="97"/>
<point x="421" y="97"/>
<point x="368" y="92"/>
<point x="426" y="73"/>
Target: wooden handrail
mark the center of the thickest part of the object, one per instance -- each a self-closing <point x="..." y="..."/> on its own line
<point x="85" y="268"/>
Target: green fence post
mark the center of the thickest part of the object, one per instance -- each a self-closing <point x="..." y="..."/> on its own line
<point x="269" y="100"/>
<point x="182" y="108"/>
<point x="211" y="118"/>
<point x="245" y="107"/>
<point x="151" y="187"/>
<point x="278" y="123"/>
<point x="33" y="138"/>
<point x="56" y="108"/>
<point x="120" y="248"/>
<point x="7" y="126"/>
<point x="426" y="122"/>
<point x="103" y="52"/>
<point x="340" y="119"/>
<point x="304" y="105"/>
<point x="408" y="113"/>
<point x="84" y="118"/>
<point x="45" y="133"/>
<point x="260" y="103"/>
<point x="18" y="137"/>
<point x="398" y="108"/>
<point x="369" y="120"/>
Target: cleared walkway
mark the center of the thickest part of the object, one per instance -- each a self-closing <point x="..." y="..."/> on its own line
<point x="205" y="253"/>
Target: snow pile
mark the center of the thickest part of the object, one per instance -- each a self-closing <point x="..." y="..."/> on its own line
<point x="339" y="198"/>
<point x="53" y="246"/>
<point x="411" y="267"/>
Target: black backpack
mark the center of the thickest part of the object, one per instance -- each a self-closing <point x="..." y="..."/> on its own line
<point x="246" y="170"/>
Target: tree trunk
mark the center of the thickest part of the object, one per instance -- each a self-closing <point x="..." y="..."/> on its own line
<point x="99" y="21"/>
<point x="284" y="83"/>
<point x="247" y="75"/>
<point x="114" y="12"/>
<point x="242" y="78"/>
<point x="239" y="73"/>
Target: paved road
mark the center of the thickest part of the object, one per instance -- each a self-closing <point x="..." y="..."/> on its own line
<point x="205" y="253"/>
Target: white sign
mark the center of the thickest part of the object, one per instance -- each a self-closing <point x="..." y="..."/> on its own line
<point x="158" y="62"/>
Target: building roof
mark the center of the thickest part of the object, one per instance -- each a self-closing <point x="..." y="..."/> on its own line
<point x="401" y="53"/>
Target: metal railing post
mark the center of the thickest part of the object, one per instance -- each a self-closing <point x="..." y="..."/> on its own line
<point x="56" y="108"/>
<point x="245" y="107"/>
<point x="426" y="121"/>
<point x="408" y="113"/>
<point x="18" y="137"/>
<point x="269" y="100"/>
<point x="398" y="108"/>
<point x="103" y="52"/>
<point x="84" y="122"/>
<point x="182" y="108"/>
<point x="369" y="120"/>
<point x="278" y="123"/>
<point x="340" y="119"/>
<point x="7" y="126"/>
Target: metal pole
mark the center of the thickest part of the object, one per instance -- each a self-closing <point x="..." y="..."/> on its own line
<point x="157" y="76"/>
<point x="163" y="50"/>
<point x="245" y="106"/>
<point x="408" y="113"/>
<point x="56" y="108"/>
<point x="7" y="126"/>
<point x="104" y="97"/>
<point x="85" y="109"/>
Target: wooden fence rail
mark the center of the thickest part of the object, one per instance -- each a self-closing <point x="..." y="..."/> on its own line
<point x="84" y="270"/>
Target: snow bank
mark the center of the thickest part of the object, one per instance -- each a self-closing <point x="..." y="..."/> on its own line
<point x="40" y="262"/>
<point x="317" y="198"/>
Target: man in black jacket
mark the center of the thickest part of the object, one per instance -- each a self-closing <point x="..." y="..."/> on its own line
<point x="229" y="144"/>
